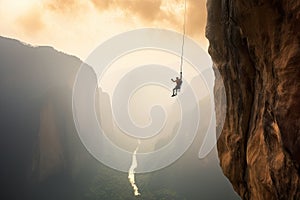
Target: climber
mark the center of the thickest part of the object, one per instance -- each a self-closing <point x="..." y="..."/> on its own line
<point x="178" y="82"/>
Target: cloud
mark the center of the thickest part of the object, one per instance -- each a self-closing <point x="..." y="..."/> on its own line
<point x="67" y="8"/>
<point x="151" y="11"/>
<point x="31" y="22"/>
<point x="61" y="22"/>
<point x="62" y="5"/>
<point x="146" y="10"/>
<point x="102" y="4"/>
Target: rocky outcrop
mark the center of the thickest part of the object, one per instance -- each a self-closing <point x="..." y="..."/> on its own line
<point x="256" y="47"/>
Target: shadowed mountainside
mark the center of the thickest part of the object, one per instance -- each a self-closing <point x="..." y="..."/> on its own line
<point x="37" y="135"/>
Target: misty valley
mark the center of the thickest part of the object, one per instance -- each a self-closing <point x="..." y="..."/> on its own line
<point x="43" y="157"/>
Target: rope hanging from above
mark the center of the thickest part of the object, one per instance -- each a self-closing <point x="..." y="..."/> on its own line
<point x="178" y="81"/>
<point x="183" y="37"/>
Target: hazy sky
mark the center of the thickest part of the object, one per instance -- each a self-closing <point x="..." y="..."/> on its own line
<point x="78" y="26"/>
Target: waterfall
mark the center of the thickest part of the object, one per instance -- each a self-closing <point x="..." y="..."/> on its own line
<point x="131" y="171"/>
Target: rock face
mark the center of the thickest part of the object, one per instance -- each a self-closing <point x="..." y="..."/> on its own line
<point x="256" y="47"/>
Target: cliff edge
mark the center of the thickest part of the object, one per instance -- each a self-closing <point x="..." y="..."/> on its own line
<point x="256" y="47"/>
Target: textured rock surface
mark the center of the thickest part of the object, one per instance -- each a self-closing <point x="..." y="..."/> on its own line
<point x="256" y="47"/>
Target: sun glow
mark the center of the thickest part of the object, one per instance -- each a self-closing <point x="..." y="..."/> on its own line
<point x="77" y="27"/>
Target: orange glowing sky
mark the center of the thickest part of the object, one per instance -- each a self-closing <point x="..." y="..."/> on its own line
<point x="78" y="26"/>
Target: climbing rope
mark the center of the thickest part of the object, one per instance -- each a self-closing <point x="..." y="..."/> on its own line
<point x="183" y="37"/>
<point x="179" y="82"/>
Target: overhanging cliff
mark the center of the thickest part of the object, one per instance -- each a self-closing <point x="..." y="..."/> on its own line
<point x="256" y="47"/>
